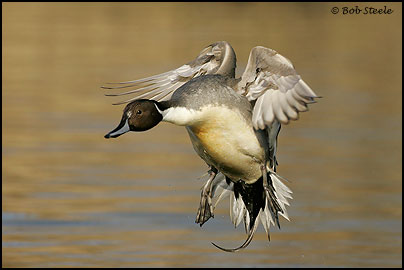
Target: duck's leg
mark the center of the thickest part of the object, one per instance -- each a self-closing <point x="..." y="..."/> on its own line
<point x="205" y="210"/>
<point x="273" y="206"/>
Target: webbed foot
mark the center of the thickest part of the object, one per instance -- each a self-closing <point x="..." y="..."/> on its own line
<point x="205" y="210"/>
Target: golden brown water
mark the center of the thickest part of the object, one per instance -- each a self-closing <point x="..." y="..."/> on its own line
<point x="72" y="198"/>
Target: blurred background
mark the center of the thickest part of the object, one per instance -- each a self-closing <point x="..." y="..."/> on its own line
<point x="70" y="198"/>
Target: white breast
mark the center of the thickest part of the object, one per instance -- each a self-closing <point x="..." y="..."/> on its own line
<point x="223" y="138"/>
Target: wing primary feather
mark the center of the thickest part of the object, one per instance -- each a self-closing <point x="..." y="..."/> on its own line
<point x="287" y="109"/>
<point x="293" y="102"/>
<point x="280" y="115"/>
<point x="165" y="92"/>
<point x="143" y="79"/>
<point x="268" y="114"/>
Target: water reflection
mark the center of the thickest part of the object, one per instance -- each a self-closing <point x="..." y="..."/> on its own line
<point x="71" y="198"/>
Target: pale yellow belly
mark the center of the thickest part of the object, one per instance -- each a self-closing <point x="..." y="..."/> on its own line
<point x="228" y="143"/>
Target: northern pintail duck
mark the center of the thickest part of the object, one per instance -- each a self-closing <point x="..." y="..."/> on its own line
<point x="233" y="125"/>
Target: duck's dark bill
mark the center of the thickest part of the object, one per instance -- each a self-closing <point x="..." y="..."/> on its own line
<point x="122" y="128"/>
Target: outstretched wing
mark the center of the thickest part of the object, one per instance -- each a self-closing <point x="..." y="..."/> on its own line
<point x="217" y="58"/>
<point x="271" y="81"/>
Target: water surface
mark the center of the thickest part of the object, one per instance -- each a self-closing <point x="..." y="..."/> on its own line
<point x="71" y="198"/>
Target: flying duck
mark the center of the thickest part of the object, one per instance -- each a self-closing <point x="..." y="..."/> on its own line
<point x="233" y="124"/>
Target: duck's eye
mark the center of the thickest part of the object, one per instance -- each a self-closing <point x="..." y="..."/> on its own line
<point x="139" y="112"/>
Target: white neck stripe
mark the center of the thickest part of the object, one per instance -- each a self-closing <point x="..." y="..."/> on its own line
<point x="160" y="111"/>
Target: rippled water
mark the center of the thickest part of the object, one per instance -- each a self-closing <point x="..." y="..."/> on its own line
<point x="72" y="198"/>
